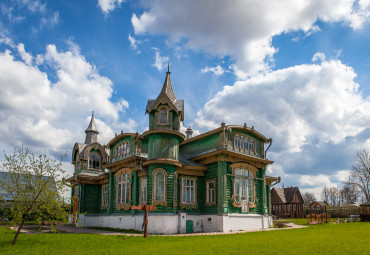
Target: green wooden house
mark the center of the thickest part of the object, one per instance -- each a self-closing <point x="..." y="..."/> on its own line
<point x="215" y="181"/>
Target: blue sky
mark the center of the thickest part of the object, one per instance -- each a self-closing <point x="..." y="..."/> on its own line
<point x="297" y="71"/>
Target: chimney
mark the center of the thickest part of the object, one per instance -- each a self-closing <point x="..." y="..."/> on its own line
<point x="189" y="133"/>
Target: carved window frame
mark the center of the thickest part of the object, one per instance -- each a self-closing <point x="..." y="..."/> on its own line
<point x="163" y="107"/>
<point x="95" y="153"/>
<point x="122" y="205"/>
<point x="242" y="144"/>
<point x="208" y="202"/>
<point x="121" y="147"/>
<point x="159" y="202"/>
<point x="254" y="171"/>
<point x="184" y="205"/>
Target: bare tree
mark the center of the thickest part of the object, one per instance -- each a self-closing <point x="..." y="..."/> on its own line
<point x="325" y="194"/>
<point x="349" y="195"/>
<point x="359" y="175"/>
<point x="34" y="186"/>
<point x="308" y="198"/>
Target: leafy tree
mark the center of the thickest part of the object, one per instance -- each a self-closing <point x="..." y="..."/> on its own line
<point x="35" y="185"/>
<point x="359" y="175"/>
<point x="308" y="198"/>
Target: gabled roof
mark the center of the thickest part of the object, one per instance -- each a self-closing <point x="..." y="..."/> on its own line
<point x="285" y="195"/>
<point x="167" y="92"/>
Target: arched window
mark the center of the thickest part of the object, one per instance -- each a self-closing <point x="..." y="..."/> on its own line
<point x="244" y="143"/>
<point x="94" y="160"/>
<point x="243" y="185"/>
<point x="163" y="116"/>
<point x="159" y="186"/>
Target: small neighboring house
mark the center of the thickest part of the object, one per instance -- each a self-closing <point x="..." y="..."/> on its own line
<point x="287" y="202"/>
<point x="4" y="177"/>
<point x="3" y="194"/>
<point x="365" y="211"/>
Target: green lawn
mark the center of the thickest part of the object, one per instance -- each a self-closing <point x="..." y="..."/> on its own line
<point x="351" y="238"/>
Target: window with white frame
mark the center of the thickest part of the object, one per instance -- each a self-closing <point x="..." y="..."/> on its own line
<point x="163" y="116"/>
<point x="244" y="143"/>
<point x="243" y="185"/>
<point x="188" y="191"/>
<point x="159" y="186"/>
<point x="104" y="196"/>
<point x="143" y="191"/>
<point x="211" y="192"/>
<point x="123" y="188"/>
<point x="123" y="149"/>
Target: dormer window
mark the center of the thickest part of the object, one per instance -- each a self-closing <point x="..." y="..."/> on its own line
<point x="244" y="143"/>
<point x="94" y="161"/>
<point x="163" y="116"/>
<point x="123" y="149"/>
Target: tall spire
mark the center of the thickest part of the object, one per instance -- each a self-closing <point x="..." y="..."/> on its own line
<point x="167" y="87"/>
<point x="91" y="131"/>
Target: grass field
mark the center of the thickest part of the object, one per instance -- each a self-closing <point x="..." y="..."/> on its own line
<point x="351" y="238"/>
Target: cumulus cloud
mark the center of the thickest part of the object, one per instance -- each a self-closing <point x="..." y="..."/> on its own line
<point x="296" y="106"/>
<point x="243" y="29"/>
<point x="109" y="5"/>
<point x="217" y="70"/>
<point x="160" y="61"/>
<point x="48" y="115"/>
<point x="26" y="57"/>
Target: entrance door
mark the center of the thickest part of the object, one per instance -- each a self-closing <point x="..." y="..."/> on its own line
<point x="189" y="226"/>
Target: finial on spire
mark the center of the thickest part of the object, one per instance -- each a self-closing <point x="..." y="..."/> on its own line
<point x="93" y="114"/>
<point x="169" y="64"/>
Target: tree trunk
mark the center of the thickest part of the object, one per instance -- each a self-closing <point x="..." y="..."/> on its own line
<point x="18" y="231"/>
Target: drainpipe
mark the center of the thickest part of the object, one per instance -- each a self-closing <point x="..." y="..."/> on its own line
<point x="270" y="141"/>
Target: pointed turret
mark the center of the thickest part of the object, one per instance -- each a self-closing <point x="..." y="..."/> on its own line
<point x="91" y="132"/>
<point x="167" y="87"/>
<point x="167" y="96"/>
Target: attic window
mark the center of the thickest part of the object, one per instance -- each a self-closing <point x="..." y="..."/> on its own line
<point x="94" y="161"/>
<point x="163" y="116"/>
<point x="244" y="143"/>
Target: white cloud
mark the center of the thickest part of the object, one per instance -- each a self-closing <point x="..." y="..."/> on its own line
<point x="26" y="57"/>
<point x="160" y="61"/>
<point x="50" y="116"/>
<point x="297" y="106"/>
<point x="318" y="180"/>
<point x="319" y="56"/>
<point x="217" y="70"/>
<point x="243" y="29"/>
<point x="109" y="5"/>
<point x="134" y="43"/>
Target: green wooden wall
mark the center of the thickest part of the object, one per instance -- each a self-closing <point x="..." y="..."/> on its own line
<point x="202" y="145"/>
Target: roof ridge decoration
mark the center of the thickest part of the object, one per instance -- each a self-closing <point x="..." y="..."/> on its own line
<point x="92" y="127"/>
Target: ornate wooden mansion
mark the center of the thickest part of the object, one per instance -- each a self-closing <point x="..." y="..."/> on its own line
<point x="215" y="181"/>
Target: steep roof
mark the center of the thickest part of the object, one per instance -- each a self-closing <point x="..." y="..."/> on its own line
<point x="285" y="195"/>
<point x="92" y="127"/>
<point x="167" y="91"/>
